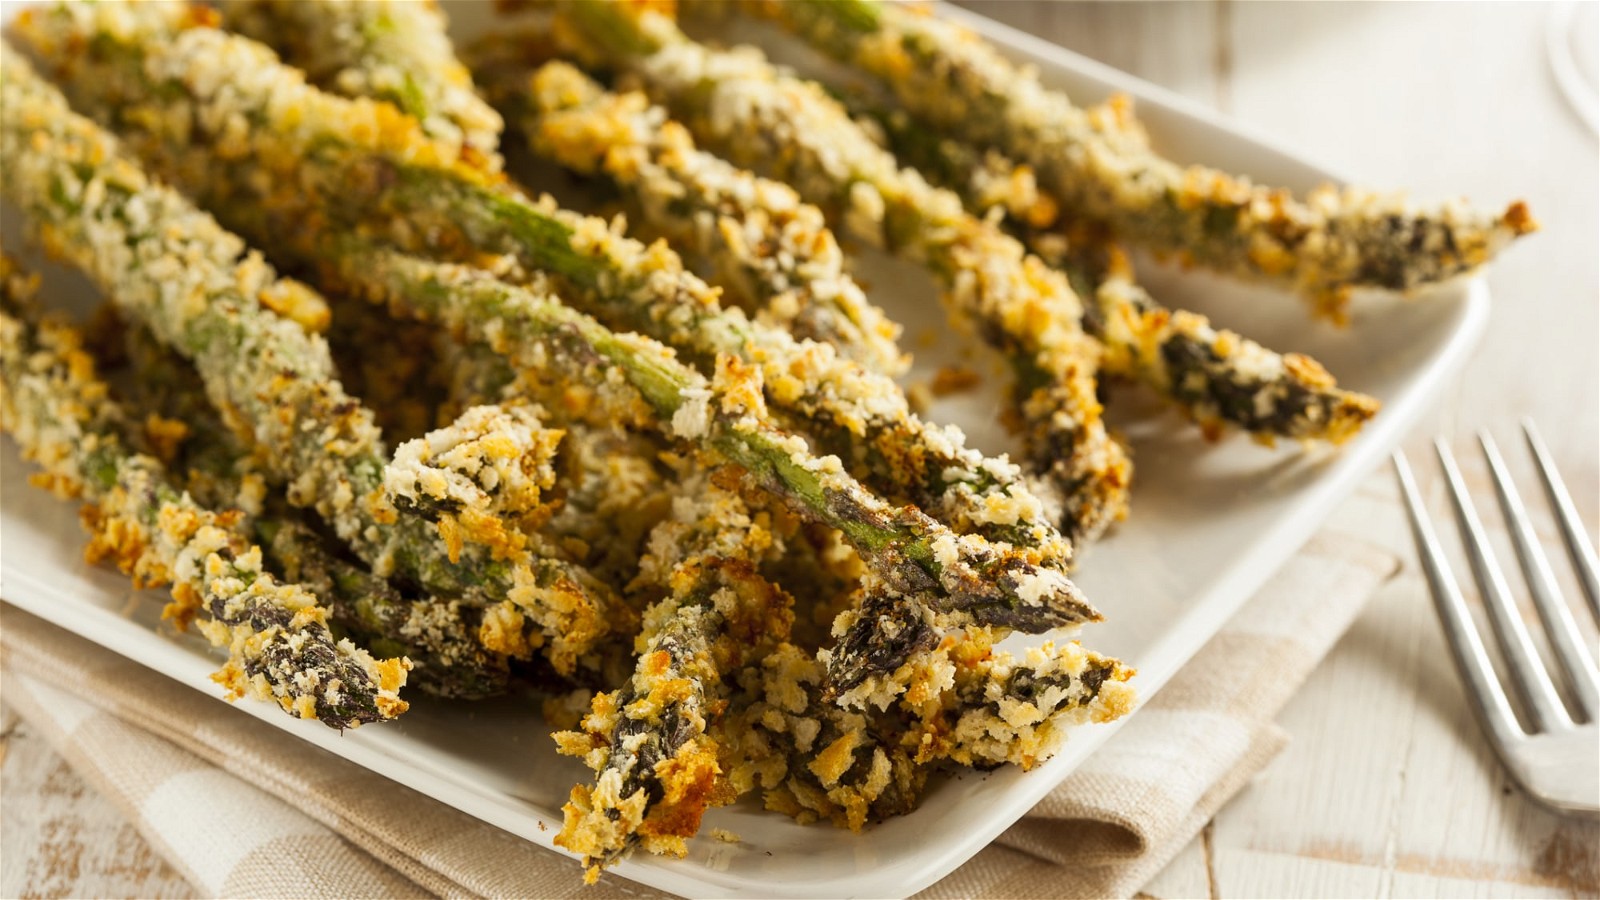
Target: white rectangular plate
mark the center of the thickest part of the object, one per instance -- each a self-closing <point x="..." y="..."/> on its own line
<point x="1210" y="522"/>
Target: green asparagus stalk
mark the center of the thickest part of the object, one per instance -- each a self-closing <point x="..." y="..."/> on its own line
<point x="380" y="173"/>
<point x="279" y="646"/>
<point x="1216" y="378"/>
<point x="765" y="243"/>
<point x="1324" y="245"/>
<point x="998" y="584"/>
<point x="169" y="265"/>
<point x="741" y="107"/>
<point x="390" y="50"/>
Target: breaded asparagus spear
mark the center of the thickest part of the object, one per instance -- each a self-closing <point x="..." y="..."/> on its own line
<point x="279" y="646"/>
<point x="169" y="265"/>
<point x="1323" y="246"/>
<point x="384" y="174"/>
<point x="812" y="759"/>
<point x="650" y="742"/>
<point x="740" y="106"/>
<point x="393" y="50"/>
<point x="999" y="708"/>
<point x="765" y="243"/>
<point x="964" y="575"/>
<point x="438" y="636"/>
<point x="966" y="703"/>
<point x="1217" y="378"/>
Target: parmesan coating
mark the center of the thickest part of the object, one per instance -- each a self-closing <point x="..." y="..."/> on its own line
<point x="393" y="50"/>
<point x="740" y="106"/>
<point x="276" y="634"/>
<point x="171" y="266"/>
<point x="1322" y="246"/>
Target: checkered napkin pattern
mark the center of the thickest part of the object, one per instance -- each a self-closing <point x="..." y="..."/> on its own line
<point x="243" y="809"/>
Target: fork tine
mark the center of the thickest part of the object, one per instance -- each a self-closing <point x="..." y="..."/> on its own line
<point x="1472" y="660"/>
<point x="1572" y="531"/>
<point x="1527" y="672"/>
<point x="1553" y="612"/>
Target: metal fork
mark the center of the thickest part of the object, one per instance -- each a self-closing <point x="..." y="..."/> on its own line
<point x="1555" y="757"/>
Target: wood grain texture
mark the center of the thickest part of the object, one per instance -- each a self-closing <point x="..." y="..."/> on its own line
<point x="1387" y="788"/>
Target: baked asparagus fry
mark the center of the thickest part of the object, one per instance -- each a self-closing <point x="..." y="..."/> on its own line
<point x="740" y="106"/>
<point x="279" y="646"/>
<point x="389" y="176"/>
<point x="169" y="265"/>
<point x="615" y="480"/>
<point x="439" y="636"/>
<point x="650" y="742"/>
<point x="967" y="703"/>
<point x="1004" y="709"/>
<point x="392" y="50"/>
<point x="765" y="243"/>
<point x="1217" y="378"/>
<point x="1324" y="245"/>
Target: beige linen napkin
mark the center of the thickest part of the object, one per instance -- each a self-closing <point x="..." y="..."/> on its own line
<point x="241" y="808"/>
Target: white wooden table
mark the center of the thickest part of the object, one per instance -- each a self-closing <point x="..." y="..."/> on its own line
<point x="1387" y="788"/>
